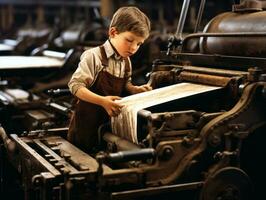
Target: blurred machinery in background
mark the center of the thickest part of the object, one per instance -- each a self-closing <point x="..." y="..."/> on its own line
<point x="205" y="146"/>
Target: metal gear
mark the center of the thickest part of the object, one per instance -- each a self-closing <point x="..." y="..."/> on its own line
<point x="229" y="183"/>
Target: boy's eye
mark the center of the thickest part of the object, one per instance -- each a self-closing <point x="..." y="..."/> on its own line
<point x="129" y="40"/>
<point x="132" y="40"/>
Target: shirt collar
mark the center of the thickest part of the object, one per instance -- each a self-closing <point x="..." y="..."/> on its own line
<point x="110" y="51"/>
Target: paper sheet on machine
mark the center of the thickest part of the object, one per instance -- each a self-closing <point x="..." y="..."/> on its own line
<point x="125" y="124"/>
<point x="5" y="47"/>
<point x="21" y="62"/>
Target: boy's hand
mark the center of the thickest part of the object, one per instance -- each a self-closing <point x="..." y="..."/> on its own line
<point x="142" y="88"/>
<point x="112" y="108"/>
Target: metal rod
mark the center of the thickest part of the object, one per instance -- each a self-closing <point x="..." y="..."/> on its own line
<point x="199" y="17"/>
<point x="155" y="190"/>
<point x="182" y="18"/>
<point x="130" y="155"/>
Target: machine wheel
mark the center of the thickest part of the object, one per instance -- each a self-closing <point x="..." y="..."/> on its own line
<point x="229" y="183"/>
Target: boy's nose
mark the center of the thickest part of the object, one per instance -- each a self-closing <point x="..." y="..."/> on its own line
<point x="133" y="48"/>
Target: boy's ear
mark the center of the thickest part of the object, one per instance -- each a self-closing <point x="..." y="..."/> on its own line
<point x="112" y="32"/>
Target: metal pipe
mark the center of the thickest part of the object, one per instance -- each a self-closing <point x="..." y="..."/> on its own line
<point x="182" y="18"/>
<point x="124" y="156"/>
<point x="176" y="40"/>
<point x="199" y="17"/>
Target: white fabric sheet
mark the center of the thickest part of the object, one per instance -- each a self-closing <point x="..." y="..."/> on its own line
<point x="125" y="124"/>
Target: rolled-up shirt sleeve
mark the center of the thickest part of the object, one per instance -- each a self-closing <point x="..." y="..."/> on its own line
<point x="86" y="71"/>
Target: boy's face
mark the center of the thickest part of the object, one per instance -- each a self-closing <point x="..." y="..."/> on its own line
<point x="126" y="43"/>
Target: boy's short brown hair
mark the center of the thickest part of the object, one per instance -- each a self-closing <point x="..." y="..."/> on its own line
<point x="131" y="19"/>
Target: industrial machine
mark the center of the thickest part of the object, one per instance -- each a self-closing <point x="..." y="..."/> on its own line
<point x="207" y="145"/>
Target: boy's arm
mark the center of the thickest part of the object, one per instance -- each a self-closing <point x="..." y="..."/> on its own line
<point x="133" y="89"/>
<point x="107" y="102"/>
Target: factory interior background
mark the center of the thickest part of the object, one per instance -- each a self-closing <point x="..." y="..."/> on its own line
<point x="203" y="140"/>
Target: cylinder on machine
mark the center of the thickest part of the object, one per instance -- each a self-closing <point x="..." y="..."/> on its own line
<point x="248" y="39"/>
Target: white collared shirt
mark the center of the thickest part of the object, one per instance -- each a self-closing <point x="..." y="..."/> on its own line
<point x="91" y="64"/>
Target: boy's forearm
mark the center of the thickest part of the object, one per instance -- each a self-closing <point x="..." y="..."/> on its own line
<point x="133" y="89"/>
<point x="130" y="88"/>
<point x="86" y="95"/>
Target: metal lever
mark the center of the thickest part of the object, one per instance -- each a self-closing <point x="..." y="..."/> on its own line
<point x="176" y="40"/>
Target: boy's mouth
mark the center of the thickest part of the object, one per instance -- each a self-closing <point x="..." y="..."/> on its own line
<point x="129" y="53"/>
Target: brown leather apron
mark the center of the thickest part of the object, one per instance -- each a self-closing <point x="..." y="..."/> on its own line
<point x="87" y="117"/>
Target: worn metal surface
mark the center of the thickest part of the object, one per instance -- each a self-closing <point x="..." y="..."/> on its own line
<point x="244" y="44"/>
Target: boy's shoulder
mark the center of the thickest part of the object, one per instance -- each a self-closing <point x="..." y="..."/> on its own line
<point x="93" y="51"/>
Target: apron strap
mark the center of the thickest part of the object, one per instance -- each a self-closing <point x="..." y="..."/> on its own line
<point x="127" y="65"/>
<point x="104" y="57"/>
<point x="105" y="60"/>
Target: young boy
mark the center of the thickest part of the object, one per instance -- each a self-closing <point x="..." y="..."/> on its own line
<point x="103" y="73"/>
